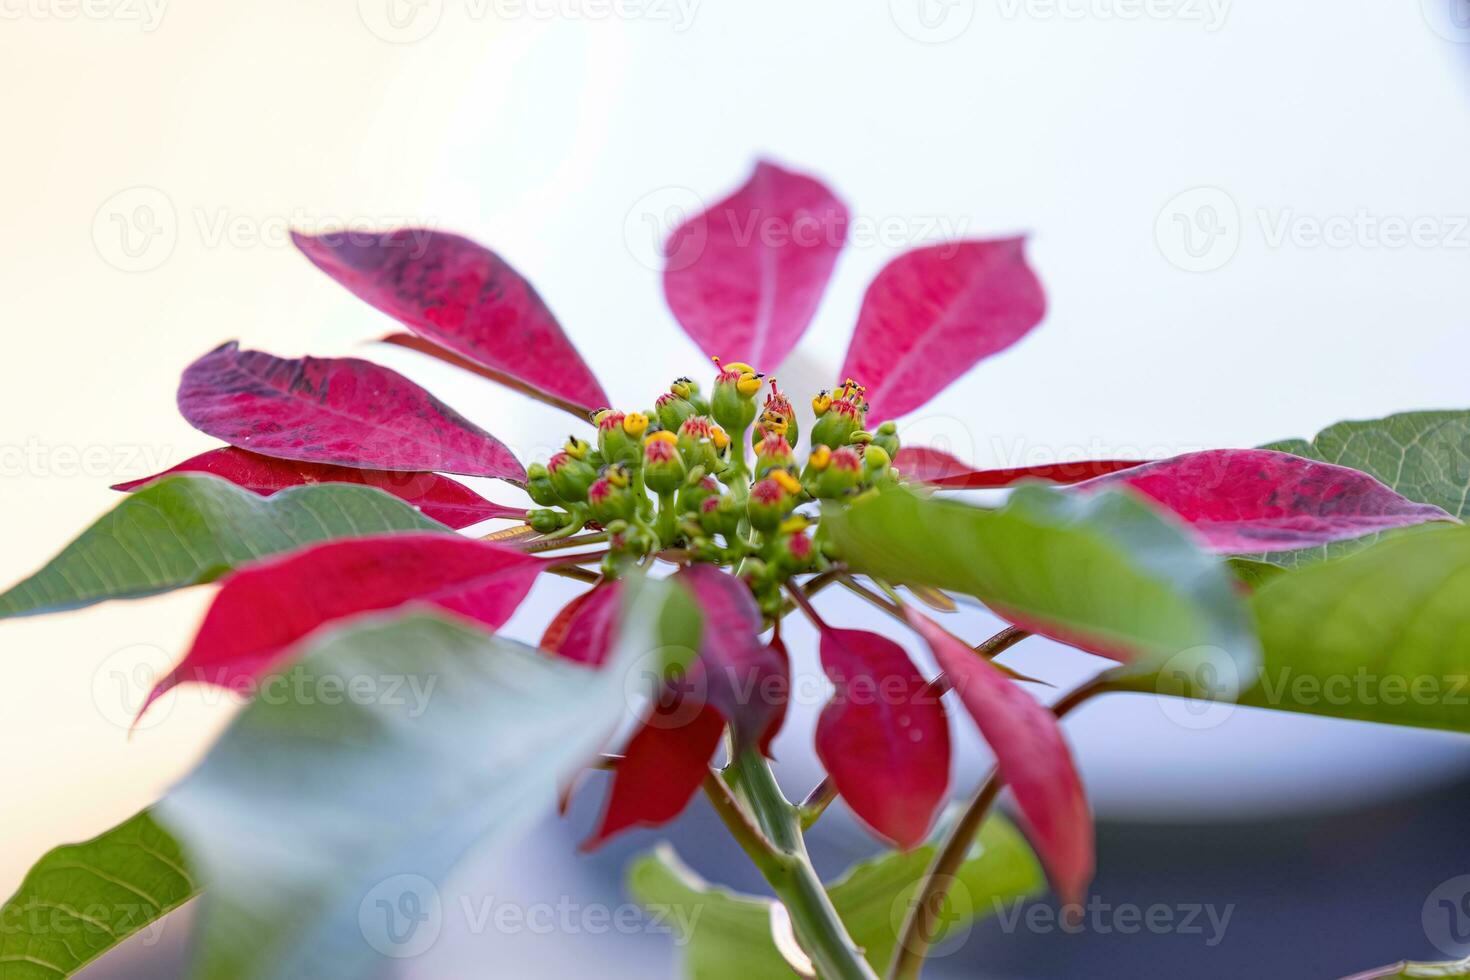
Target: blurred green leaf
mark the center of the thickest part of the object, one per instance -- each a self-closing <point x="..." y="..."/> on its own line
<point x="1105" y="571"/>
<point x="322" y="825"/>
<point x="184" y="530"/>
<point x="80" y="900"/>
<point x="1382" y="635"/>
<point x="727" y="936"/>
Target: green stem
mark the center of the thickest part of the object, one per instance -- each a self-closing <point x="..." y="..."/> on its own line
<point x="789" y="872"/>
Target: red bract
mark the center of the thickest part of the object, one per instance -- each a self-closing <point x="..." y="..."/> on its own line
<point x="585" y="628"/>
<point x="662" y="768"/>
<point x="940" y="469"/>
<point x="1031" y="755"/>
<point x="334" y="410"/>
<point x="933" y="313"/>
<point x="737" y="673"/>
<point x="1249" y="500"/>
<point x="747" y="274"/>
<point x="465" y="298"/>
<point x="883" y="737"/>
<point x="264" y="609"/>
<point x="452" y="504"/>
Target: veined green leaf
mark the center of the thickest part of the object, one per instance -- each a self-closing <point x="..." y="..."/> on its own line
<point x="727" y="936"/>
<point x="1382" y="635"/>
<point x="185" y="530"/>
<point x="80" y="900"/>
<point x="1423" y="455"/>
<point x="321" y="823"/>
<point x="1104" y="571"/>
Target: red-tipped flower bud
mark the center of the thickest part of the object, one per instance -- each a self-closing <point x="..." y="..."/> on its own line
<point x="570" y="476"/>
<point x="663" y="467"/>
<point x="769" y="504"/>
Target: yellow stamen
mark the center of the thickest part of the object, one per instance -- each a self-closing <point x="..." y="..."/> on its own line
<point x="635" y="424"/>
<point x="787" y="482"/>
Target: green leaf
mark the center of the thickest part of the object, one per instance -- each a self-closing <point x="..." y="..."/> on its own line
<point x="185" y="530"/>
<point x="321" y="825"/>
<point x="1423" y="455"/>
<point x="1458" y="970"/>
<point x="1382" y="635"/>
<point x="1105" y="571"/>
<point x="727" y="936"/>
<point x="80" y="900"/>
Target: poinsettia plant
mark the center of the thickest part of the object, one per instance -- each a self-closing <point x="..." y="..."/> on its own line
<point x="698" y="522"/>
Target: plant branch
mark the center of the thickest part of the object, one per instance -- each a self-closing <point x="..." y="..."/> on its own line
<point x="805" y="605"/>
<point x="559" y="544"/>
<point x="857" y="588"/>
<point x="923" y="918"/>
<point x="819" y="930"/>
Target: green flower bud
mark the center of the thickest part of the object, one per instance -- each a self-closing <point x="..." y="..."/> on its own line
<point x="538" y="485"/>
<point x="837" y="425"/>
<point x="777" y="417"/>
<point x="792" y="552"/>
<point x="672" y="411"/>
<point x="733" y="403"/>
<point x="756" y="574"/>
<point x="769" y="504"/>
<point x="610" y="502"/>
<point x="570" y="476"/>
<point x="720" y="515"/>
<point x="843" y="473"/>
<point x="663" y="467"/>
<point x="613" y="440"/>
<point x="702" y="443"/>
<point x="876" y="461"/>
<point x="887" y="437"/>
<point x="693" y="495"/>
<point x="548" y="521"/>
<point x="773" y="453"/>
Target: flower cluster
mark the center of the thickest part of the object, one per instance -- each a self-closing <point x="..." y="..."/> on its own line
<point x="681" y="477"/>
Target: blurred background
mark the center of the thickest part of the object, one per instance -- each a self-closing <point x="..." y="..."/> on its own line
<point x="1252" y="221"/>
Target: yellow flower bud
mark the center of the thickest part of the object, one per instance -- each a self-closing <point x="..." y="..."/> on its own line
<point x="820" y="458"/>
<point x="635" y="424"/>
<point x="788" y="482"/>
<point x="577" y="448"/>
<point x="663" y="435"/>
<point x="617" y="475"/>
<point x="794" y="524"/>
<point x="749" y="383"/>
<point x="821" y="403"/>
<point x="719" y="437"/>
